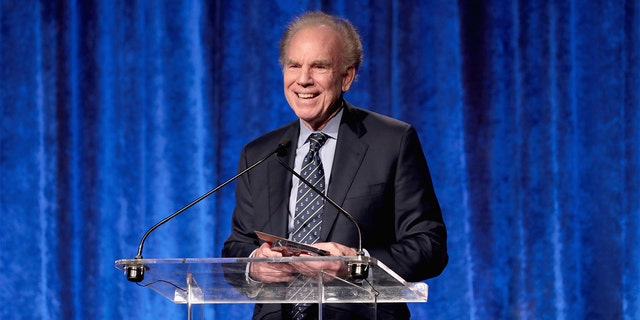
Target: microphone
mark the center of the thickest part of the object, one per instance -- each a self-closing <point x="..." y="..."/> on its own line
<point x="358" y="268"/>
<point x="135" y="272"/>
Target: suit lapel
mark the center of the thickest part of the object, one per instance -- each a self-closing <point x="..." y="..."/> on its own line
<point x="350" y="151"/>
<point x="279" y="185"/>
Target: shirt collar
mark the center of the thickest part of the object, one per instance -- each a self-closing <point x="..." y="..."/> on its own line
<point x="331" y="129"/>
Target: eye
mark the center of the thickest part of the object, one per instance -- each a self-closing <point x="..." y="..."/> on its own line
<point x="293" y="65"/>
<point x="322" y="67"/>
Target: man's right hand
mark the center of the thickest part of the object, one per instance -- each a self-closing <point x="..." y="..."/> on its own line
<point x="270" y="272"/>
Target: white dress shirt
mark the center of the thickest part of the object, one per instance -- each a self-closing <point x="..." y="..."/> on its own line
<point x="327" y="153"/>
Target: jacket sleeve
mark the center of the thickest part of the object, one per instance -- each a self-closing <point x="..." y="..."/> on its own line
<point x="420" y="249"/>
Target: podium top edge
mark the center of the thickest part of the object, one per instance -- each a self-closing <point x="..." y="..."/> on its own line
<point x="129" y="262"/>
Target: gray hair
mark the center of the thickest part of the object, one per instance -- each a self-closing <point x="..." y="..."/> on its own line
<point x="352" y="50"/>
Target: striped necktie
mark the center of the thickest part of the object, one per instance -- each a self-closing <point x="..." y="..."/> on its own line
<point x="309" y="205"/>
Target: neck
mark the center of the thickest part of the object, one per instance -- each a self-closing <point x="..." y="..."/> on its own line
<point x="317" y="126"/>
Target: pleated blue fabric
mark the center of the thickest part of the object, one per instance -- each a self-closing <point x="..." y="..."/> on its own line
<point x="115" y="113"/>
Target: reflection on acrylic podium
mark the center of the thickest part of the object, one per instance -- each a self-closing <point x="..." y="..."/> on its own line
<point x="199" y="281"/>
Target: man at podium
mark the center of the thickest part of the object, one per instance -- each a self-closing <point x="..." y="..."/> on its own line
<point x="370" y="165"/>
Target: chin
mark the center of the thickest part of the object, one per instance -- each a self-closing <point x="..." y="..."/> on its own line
<point x="306" y="112"/>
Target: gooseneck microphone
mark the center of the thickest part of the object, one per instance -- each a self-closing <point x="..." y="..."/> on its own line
<point x="358" y="268"/>
<point x="135" y="272"/>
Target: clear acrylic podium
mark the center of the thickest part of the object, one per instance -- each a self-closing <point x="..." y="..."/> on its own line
<point x="200" y="281"/>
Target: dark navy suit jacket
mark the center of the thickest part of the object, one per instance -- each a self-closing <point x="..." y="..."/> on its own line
<point x="380" y="176"/>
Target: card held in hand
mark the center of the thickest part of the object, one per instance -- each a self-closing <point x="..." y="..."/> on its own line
<point x="290" y="248"/>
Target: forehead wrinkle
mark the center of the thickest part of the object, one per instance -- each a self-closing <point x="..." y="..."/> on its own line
<point x="323" y="62"/>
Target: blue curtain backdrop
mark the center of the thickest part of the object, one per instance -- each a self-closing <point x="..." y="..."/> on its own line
<point x="117" y="113"/>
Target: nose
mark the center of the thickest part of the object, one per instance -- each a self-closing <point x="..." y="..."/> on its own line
<point x="305" y="78"/>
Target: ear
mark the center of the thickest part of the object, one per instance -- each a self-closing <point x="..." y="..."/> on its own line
<point x="348" y="78"/>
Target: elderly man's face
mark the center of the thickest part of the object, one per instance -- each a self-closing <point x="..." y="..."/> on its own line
<point x="314" y="75"/>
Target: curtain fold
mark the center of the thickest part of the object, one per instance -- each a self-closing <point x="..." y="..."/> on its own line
<point x="115" y="114"/>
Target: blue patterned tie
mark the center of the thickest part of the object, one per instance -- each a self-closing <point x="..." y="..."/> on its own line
<point x="309" y="205"/>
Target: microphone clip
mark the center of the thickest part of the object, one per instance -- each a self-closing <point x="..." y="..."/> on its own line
<point x="135" y="272"/>
<point x="358" y="268"/>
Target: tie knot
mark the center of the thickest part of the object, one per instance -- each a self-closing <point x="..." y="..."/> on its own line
<point x="316" y="140"/>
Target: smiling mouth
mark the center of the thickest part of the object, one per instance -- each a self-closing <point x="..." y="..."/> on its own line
<point x="307" y="95"/>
